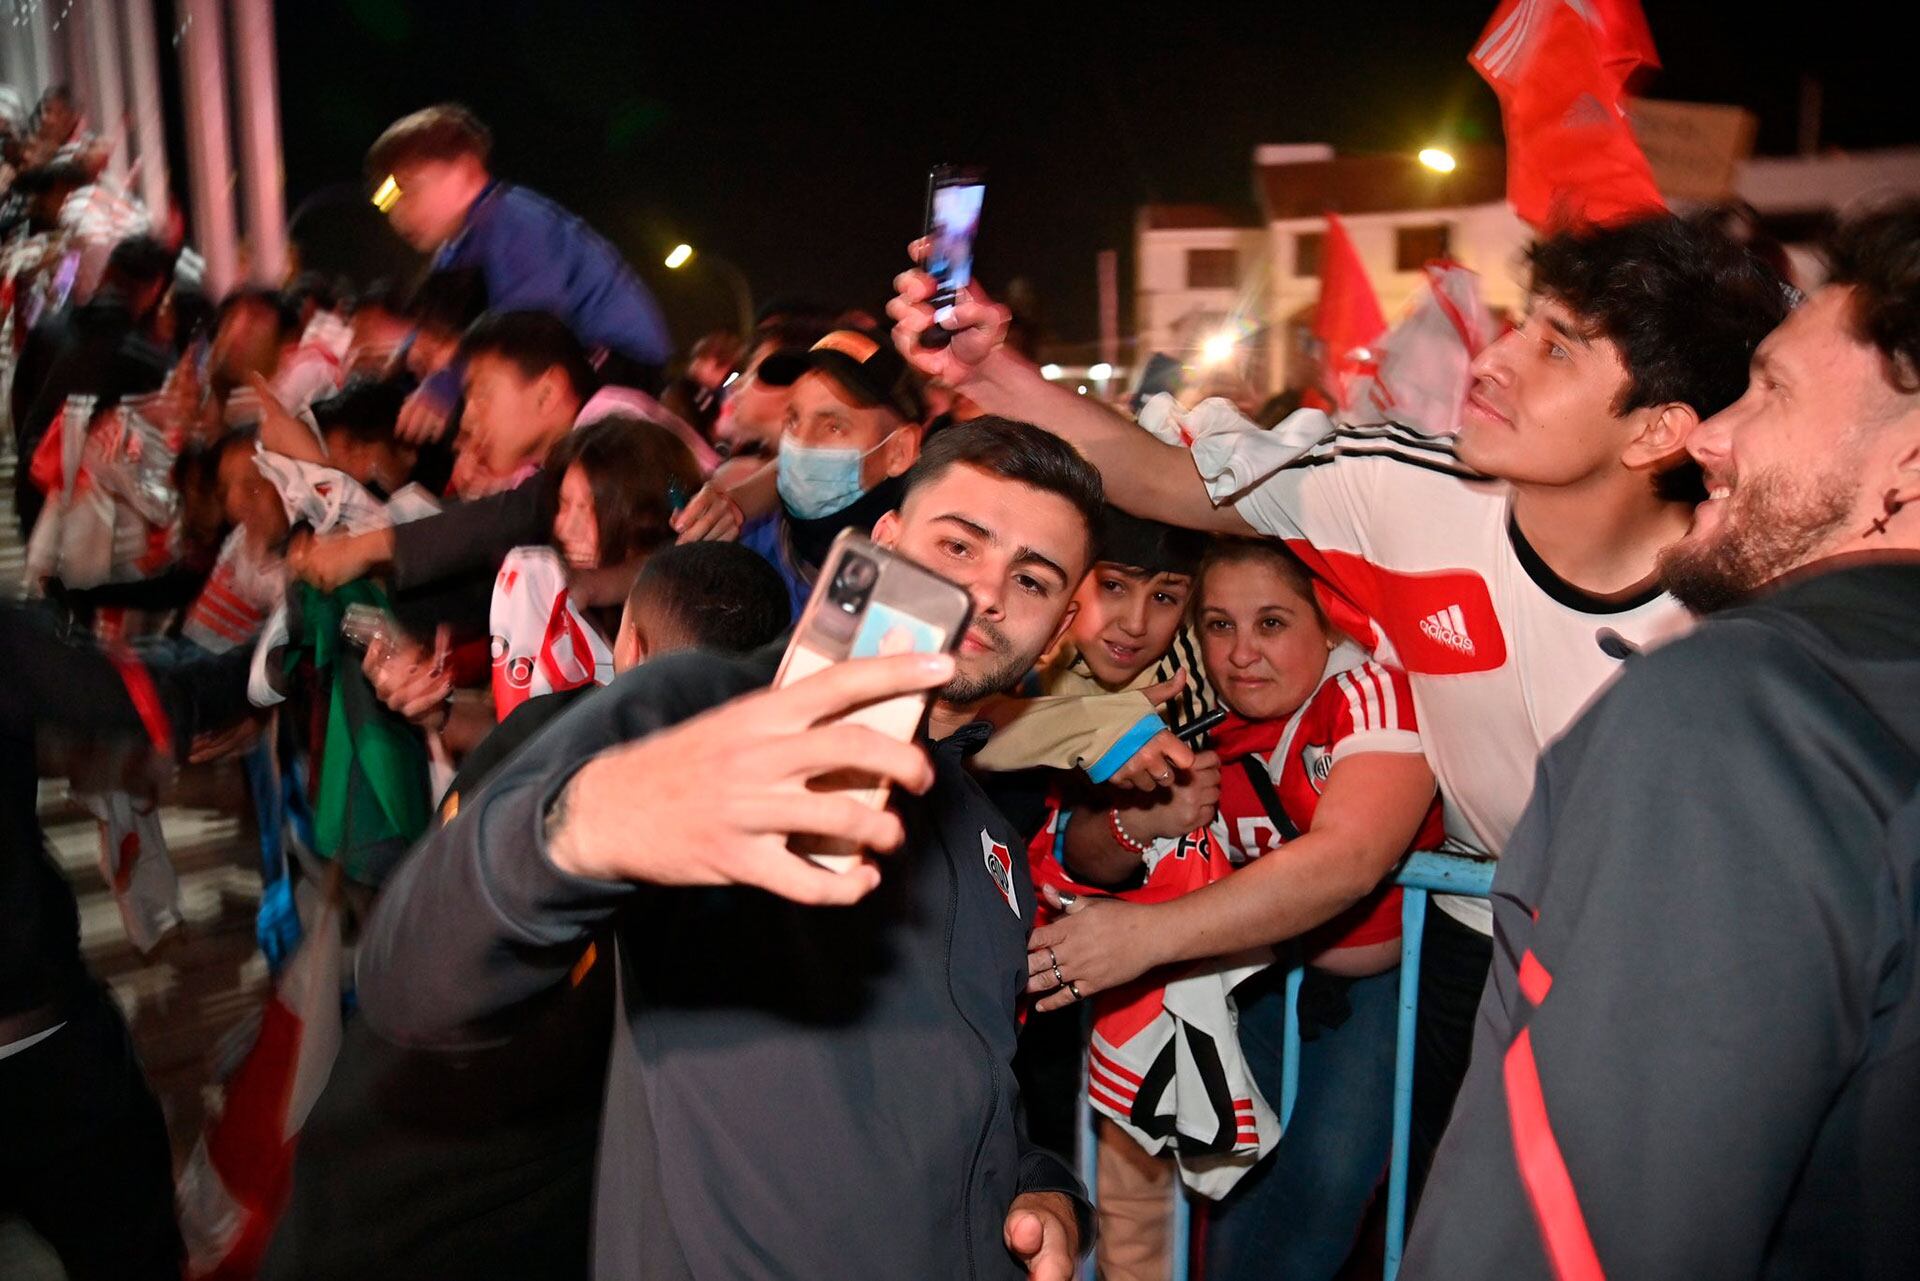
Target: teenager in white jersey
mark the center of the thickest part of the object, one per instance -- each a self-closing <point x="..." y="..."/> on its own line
<point x="1506" y="571"/>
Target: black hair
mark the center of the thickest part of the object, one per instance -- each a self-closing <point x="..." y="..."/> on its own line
<point x="449" y="301"/>
<point x="140" y="260"/>
<point x="389" y="296"/>
<point x="533" y="342"/>
<point x="1019" y="452"/>
<point x="639" y="472"/>
<point x="445" y="131"/>
<point x="1684" y="302"/>
<point x="273" y="300"/>
<point x="718" y="596"/>
<point x="365" y="410"/>
<point x="1270" y="552"/>
<point x="41" y="179"/>
<point x="1877" y="255"/>
<point x="193" y="314"/>
<point x="1151" y="546"/>
<point x="312" y="287"/>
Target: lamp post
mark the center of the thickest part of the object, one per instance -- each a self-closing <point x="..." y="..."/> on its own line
<point x="683" y="253"/>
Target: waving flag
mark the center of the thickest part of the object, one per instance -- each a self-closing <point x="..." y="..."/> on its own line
<point x="1561" y="70"/>
<point x="1347" y="320"/>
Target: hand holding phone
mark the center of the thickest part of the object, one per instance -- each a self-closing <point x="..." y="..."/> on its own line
<point x="954" y="197"/>
<point x="870" y="602"/>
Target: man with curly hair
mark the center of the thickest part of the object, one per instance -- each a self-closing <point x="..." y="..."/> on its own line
<point x="1698" y="1052"/>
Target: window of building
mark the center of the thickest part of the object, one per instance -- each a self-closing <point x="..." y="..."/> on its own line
<point x="1213" y="269"/>
<point x="1415" y="247"/>
<point x="1306" y="253"/>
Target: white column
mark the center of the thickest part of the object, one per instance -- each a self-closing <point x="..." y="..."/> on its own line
<point x="17" y="67"/>
<point x="149" y="124"/>
<point x="70" y="32"/>
<point x="108" y="109"/>
<point x="257" y="82"/>
<point x="203" y="75"/>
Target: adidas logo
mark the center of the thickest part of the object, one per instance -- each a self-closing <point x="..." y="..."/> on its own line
<point x="1447" y="627"/>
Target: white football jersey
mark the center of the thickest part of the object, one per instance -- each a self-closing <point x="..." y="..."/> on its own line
<point x="1427" y="567"/>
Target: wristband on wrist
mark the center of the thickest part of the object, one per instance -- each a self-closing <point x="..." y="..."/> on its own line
<point x="1120" y="833"/>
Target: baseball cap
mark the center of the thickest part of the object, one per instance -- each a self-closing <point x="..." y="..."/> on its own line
<point x="865" y="365"/>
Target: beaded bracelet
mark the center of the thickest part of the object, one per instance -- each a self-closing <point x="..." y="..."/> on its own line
<point x="1121" y="835"/>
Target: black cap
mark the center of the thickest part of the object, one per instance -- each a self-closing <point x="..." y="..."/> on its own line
<point x="865" y="365"/>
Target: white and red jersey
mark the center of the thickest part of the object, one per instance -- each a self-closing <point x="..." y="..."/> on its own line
<point x="542" y="643"/>
<point x="244" y="588"/>
<point x="1427" y="568"/>
<point x="1360" y="706"/>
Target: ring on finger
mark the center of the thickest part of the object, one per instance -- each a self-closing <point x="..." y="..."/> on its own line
<point x="1073" y="988"/>
<point x="1059" y="979"/>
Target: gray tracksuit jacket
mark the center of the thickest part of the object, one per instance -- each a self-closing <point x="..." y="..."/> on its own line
<point x="794" y="1092"/>
<point x="1698" y="1051"/>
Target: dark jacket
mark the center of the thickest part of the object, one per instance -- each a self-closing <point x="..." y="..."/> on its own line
<point x="444" y="564"/>
<point x="794" y="1091"/>
<point x="1698" y="1052"/>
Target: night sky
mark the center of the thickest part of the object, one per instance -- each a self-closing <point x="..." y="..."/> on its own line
<point x="795" y="141"/>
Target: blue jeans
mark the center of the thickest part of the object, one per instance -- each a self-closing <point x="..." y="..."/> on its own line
<point x="1296" y="1215"/>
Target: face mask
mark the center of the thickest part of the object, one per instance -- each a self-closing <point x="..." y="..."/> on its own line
<point x="816" y="481"/>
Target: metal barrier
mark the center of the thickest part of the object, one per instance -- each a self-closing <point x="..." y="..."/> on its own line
<point x="1423" y="873"/>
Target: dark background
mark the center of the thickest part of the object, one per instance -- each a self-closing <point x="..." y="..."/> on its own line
<point x="794" y="140"/>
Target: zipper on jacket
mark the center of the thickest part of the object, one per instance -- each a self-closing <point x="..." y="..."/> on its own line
<point x="986" y="1049"/>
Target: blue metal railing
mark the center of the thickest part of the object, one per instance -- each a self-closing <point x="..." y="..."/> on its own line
<point x="1423" y="873"/>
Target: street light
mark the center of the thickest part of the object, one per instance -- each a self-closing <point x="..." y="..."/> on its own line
<point x="1050" y="372"/>
<point x="1438" y="159"/>
<point x="1100" y="372"/>
<point x="682" y="254"/>
<point x="1218" y="349"/>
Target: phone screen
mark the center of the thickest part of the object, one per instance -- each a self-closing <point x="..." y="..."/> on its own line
<point x="953" y="221"/>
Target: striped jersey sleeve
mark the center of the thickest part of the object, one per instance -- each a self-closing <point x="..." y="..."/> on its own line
<point x="1375" y="712"/>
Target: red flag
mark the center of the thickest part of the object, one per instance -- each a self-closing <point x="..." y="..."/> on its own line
<point x="1347" y="320"/>
<point x="1561" y="69"/>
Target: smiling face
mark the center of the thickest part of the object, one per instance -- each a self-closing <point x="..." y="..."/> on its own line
<point x="1542" y="406"/>
<point x="1263" y="640"/>
<point x="576" y="527"/>
<point x="1791" y="468"/>
<point x="1126" y="620"/>
<point x="1017" y="550"/>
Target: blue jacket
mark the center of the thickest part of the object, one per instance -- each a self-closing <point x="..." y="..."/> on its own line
<point x="536" y="256"/>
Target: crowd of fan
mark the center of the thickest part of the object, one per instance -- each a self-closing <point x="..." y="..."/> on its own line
<point x="388" y="546"/>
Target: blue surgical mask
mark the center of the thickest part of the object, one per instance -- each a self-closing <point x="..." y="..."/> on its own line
<point x="816" y="481"/>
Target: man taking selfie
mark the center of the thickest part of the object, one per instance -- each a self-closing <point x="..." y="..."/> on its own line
<point x="812" y="1071"/>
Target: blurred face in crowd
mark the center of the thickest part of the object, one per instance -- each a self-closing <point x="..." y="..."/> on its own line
<point x="510" y="419"/>
<point x="823" y="415"/>
<point x="1542" y="406"/>
<point x="385" y="463"/>
<point x="1017" y="550"/>
<point x="249" y="499"/>
<point x="247" y="342"/>
<point x="1126" y="620"/>
<point x="576" y="527"/>
<point x="1264" y="642"/>
<point x="1799" y="467"/>
<point x="430" y="352"/>
<point x="754" y="416"/>
<point x="434" y="198"/>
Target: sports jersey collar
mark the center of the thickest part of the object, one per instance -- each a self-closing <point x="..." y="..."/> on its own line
<point x="1566" y="593"/>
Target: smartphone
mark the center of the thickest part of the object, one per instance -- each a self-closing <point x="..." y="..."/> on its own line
<point x="870" y="602"/>
<point x="366" y="625"/>
<point x="1191" y="732"/>
<point x="954" y="196"/>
